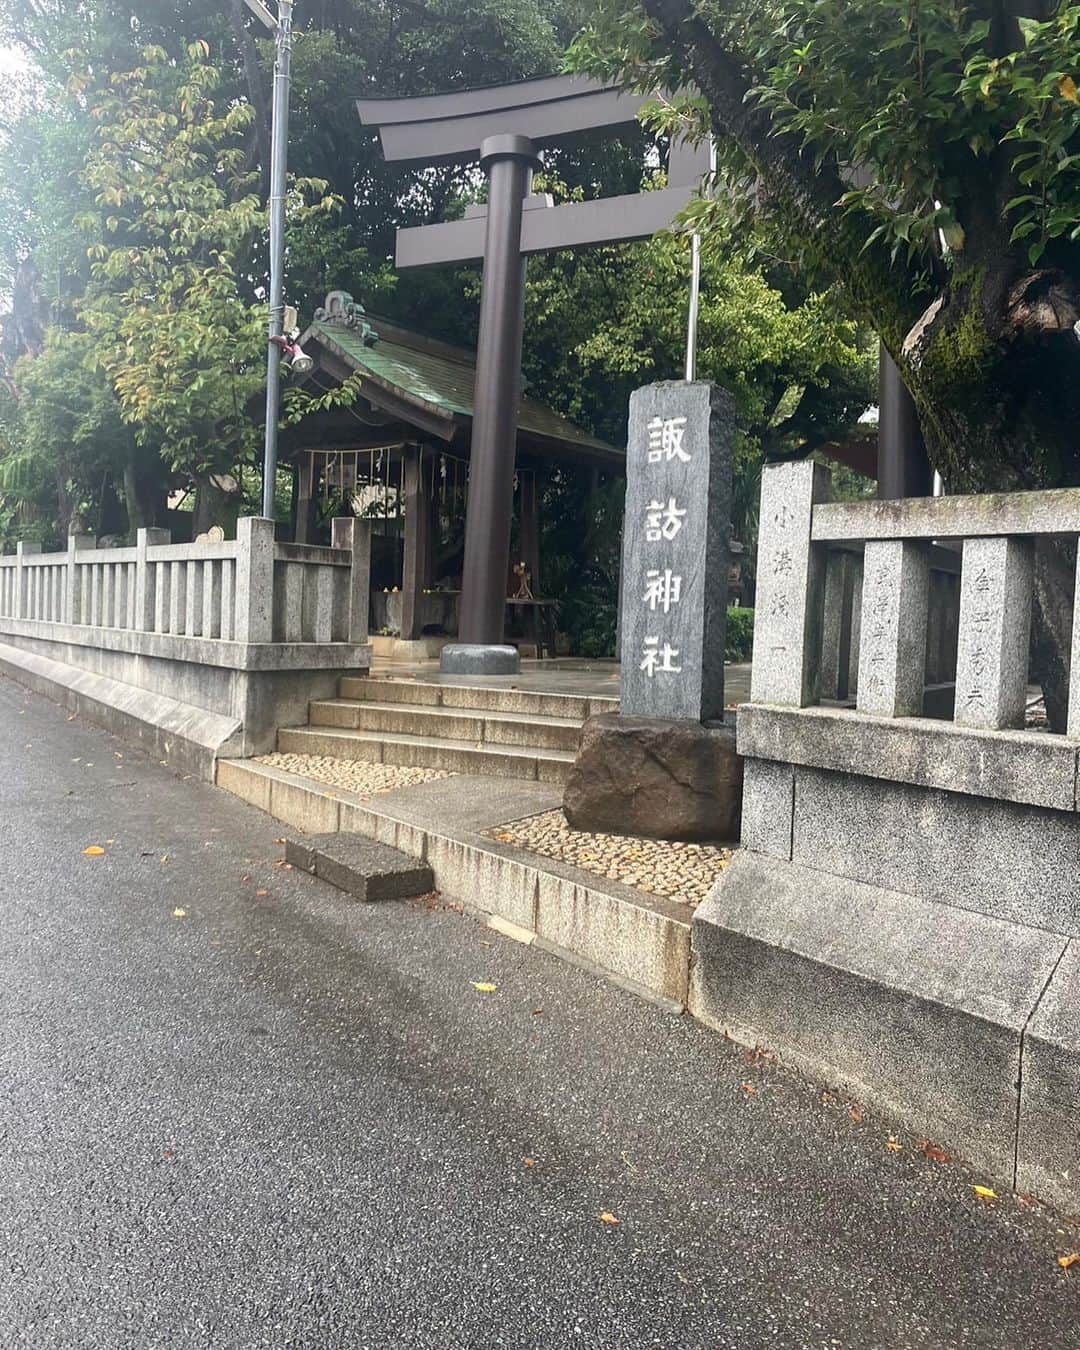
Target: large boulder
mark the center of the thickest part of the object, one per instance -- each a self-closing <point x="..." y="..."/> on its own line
<point x="654" y="777"/>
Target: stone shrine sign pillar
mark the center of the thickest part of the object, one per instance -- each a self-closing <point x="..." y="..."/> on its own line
<point x="665" y="766"/>
<point x="675" y="551"/>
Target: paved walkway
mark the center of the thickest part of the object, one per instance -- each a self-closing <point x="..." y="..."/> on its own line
<point x="567" y="675"/>
<point x="237" y="1111"/>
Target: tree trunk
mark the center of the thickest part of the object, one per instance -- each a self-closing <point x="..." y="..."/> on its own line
<point x="214" y="506"/>
<point x="995" y="372"/>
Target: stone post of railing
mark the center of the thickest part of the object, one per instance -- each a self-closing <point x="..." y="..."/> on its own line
<point x="254" y="579"/>
<point x="144" y="577"/>
<point x="790" y="586"/>
<point x="892" y="651"/>
<point x="77" y="543"/>
<point x="348" y="532"/>
<point x="22" y="599"/>
<point x="995" y="630"/>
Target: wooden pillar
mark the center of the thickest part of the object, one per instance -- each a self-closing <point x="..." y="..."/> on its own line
<point x="417" y="525"/>
<point x="305" y="492"/>
<point x="530" y="527"/>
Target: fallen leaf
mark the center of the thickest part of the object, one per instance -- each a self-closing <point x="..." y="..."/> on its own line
<point x="259" y="894"/>
<point x="854" y="1112"/>
<point x="984" y="1192"/>
<point x="537" y="1011"/>
<point x="482" y="988"/>
<point x="528" y="1162"/>
<point x="179" y="913"/>
<point x="894" y="1145"/>
<point x="1067" y="1262"/>
<point x="94" y="851"/>
<point x="748" y="1088"/>
<point x="931" y="1151"/>
<point x="609" y="1219"/>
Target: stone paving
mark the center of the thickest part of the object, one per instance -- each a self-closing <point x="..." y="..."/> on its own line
<point x="357" y="776"/>
<point x="676" y="871"/>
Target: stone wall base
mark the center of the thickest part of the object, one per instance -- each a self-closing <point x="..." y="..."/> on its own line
<point x="184" y="710"/>
<point x="189" y="738"/>
<point x="963" y="1026"/>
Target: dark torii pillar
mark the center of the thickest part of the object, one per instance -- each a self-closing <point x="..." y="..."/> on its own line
<point x="509" y="162"/>
<point x="504" y="127"/>
<point x="903" y="468"/>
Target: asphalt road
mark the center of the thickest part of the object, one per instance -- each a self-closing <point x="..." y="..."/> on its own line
<point x="237" y="1110"/>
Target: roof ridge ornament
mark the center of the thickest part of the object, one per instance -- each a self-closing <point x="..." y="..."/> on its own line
<point x="340" y="309"/>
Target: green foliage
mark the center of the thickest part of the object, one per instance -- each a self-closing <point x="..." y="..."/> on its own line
<point x="174" y="212"/>
<point x="739" y="644"/>
<point x="941" y="130"/>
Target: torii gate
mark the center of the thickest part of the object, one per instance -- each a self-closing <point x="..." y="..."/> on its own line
<point x="505" y="127"/>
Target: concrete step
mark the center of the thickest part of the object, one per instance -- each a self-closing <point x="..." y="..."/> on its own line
<point x="455" y="724"/>
<point x="361" y="867"/>
<point x="638" y="940"/>
<point x="428" y="752"/>
<point x="472" y="697"/>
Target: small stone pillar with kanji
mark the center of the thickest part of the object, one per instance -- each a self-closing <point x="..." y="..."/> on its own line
<point x="675" y="551"/>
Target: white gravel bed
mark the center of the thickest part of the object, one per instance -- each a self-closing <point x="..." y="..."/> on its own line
<point x="676" y="871"/>
<point x="354" y="774"/>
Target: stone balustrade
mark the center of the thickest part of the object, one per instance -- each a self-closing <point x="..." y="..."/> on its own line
<point x="243" y="631"/>
<point x="249" y="589"/>
<point x="902" y="920"/>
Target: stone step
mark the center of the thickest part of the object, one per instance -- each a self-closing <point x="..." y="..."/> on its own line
<point x="427" y="752"/>
<point x="472" y="697"/>
<point x="641" y="941"/>
<point x="455" y="724"/>
<point x="361" y="867"/>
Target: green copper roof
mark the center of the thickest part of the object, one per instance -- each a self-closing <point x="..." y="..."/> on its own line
<point x="438" y="379"/>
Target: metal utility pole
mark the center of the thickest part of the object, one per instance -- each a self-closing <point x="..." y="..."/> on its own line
<point x="281" y="27"/>
<point x="695" y="285"/>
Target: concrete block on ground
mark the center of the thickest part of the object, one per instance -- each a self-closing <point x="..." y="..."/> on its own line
<point x="300" y="853"/>
<point x="914" y="1008"/>
<point x="361" y="867"/>
<point x="1048" y="1144"/>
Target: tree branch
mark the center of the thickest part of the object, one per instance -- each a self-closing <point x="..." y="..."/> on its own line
<point x="807" y="193"/>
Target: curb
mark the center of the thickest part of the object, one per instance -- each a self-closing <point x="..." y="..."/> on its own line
<point x="640" y="941"/>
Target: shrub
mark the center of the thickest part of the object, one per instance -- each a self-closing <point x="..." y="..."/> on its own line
<point x="740" y="635"/>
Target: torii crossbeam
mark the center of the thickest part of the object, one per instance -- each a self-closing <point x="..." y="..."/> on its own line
<point x="505" y="127"/>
